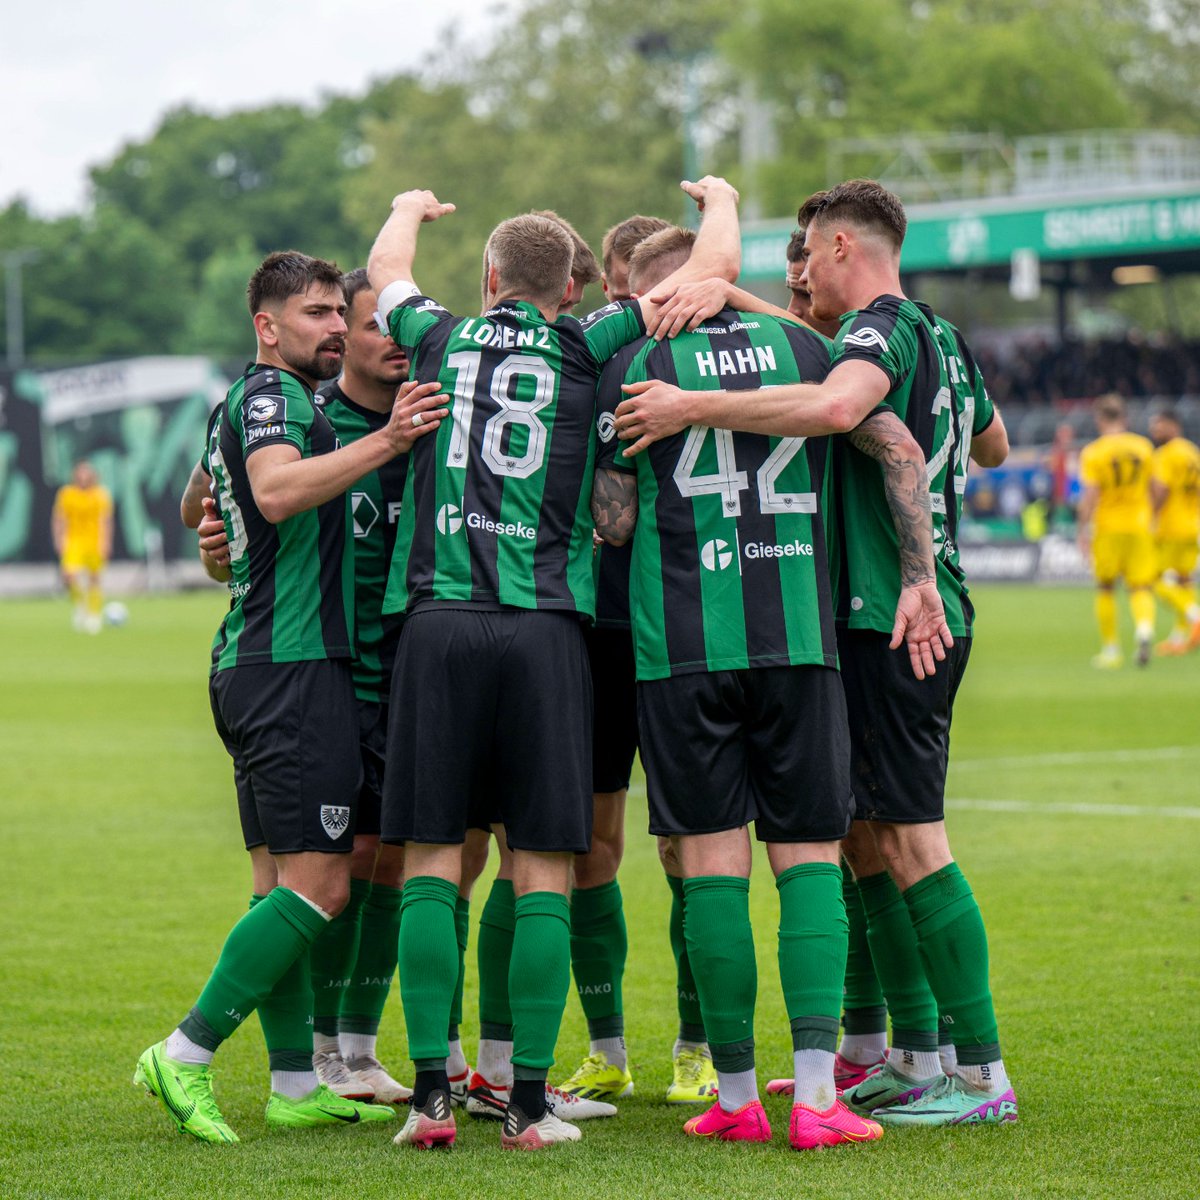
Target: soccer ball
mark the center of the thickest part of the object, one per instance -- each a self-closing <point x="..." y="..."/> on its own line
<point x="115" y="613"/>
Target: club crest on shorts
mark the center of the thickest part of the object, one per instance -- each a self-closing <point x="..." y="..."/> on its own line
<point x="335" y="819"/>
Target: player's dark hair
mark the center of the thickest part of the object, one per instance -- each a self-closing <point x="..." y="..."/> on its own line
<point x="809" y="209"/>
<point x="354" y="282"/>
<point x="1169" y="414"/>
<point x="532" y="256"/>
<point x="861" y="202"/>
<point x="661" y="253"/>
<point x="288" y="273"/>
<point x="1110" y="407"/>
<point x="620" y="240"/>
<point x="584" y="267"/>
<point x="795" y="246"/>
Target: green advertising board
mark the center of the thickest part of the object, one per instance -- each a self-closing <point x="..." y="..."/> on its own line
<point x="947" y="237"/>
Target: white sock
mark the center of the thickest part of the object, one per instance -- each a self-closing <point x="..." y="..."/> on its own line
<point x="862" y="1049"/>
<point x="813" y="1075"/>
<point x="1144" y="633"/>
<point x="456" y="1061"/>
<point x="984" y="1077"/>
<point x="293" y="1084"/>
<point x="324" y="1044"/>
<point x="680" y="1046"/>
<point x="495" y="1061"/>
<point x="182" y="1049"/>
<point x="948" y="1056"/>
<point x="736" y="1089"/>
<point x="915" y="1064"/>
<point x="1193" y="613"/>
<point x="357" y="1045"/>
<point x="612" y="1048"/>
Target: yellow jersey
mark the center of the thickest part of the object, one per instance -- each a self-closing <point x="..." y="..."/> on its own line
<point x="1119" y="466"/>
<point x="83" y="511"/>
<point x="1177" y="468"/>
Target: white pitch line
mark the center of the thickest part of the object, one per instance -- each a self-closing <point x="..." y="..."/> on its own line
<point x="1078" y="810"/>
<point x="1069" y="758"/>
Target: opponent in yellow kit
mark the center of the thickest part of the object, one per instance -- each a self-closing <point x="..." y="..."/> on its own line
<point x="1115" y="471"/>
<point x="82" y="528"/>
<point x="1176" y="528"/>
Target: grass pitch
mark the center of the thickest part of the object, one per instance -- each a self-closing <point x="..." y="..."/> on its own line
<point x="1074" y="810"/>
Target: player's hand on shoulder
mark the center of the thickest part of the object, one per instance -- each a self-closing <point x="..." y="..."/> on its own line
<point x="423" y="201"/>
<point x="686" y="306"/>
<point x="214" y="541"/>
<point x="711" y="186"/>
<point x="418" y="410"/>
<point x="921" y="626"/>
<point x="651" y="411"/>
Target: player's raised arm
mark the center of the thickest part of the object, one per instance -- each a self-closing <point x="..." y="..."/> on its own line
<point x="391" y="258"/>
<point x="691" y="303"/>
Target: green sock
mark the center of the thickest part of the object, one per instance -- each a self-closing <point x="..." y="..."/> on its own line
<point x="496" y="925"/>
<point x="538" y="979"/>
<point x="721" y="948"/>
<point x="953" y="942"/>
<point x="898" y="963"/>
<point x="428" y="958"/>
<point x="285" y="1015"/>
<point x="687" y="997"/>
<point x="257" y="953"/>
<point x="462" y="929"/>
<point x="379" y="935"/>
<point x="599" y="944"/>
<point x="862" y="997"/>
<point x="332" y="958"/>
<point x="812" y="952"/>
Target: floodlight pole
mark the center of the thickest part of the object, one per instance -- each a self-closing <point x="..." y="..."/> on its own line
<point x="14" y="311"/>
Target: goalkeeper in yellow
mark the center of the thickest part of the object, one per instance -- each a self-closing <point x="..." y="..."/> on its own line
<point x="82" y="527"/>
<point x="1176" y="528"/>
<point x="1115" y="471"/>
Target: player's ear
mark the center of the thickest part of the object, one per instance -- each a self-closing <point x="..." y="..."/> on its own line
<point x="265" y="328"/>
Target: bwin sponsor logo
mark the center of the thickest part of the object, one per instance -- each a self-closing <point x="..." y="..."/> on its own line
<point x="449" y="519"/>
<point x="715" y="555"/>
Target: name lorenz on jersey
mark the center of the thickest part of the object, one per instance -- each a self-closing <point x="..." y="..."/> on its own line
<point x="497" y="504"/>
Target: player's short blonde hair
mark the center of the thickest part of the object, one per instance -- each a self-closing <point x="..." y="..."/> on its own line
<point x="1109" y="407"/>
<point x="620" y="240"/>
<point x="655" y="257"/>
<point x="584" y="267"/>
<point x="532" y="256"/>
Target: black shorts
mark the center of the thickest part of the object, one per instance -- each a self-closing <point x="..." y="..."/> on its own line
<point x="614" y="702"/>
<point x="292" y="731"/>
<point x="372" y="740"/>
<point x="496" y="724"/>
<point x="769" y="745"/>
<point x="899" y="727"/>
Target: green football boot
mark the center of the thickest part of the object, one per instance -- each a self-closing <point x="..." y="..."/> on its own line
<point x="951" y="1101"/>
<point x="185" y="1091"/>
<point x="322" y="1107"/>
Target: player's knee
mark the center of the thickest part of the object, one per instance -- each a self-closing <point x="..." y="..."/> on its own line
<point x="474" y="859"/>
<point x="363" y="856"/>
<point x="861" y="852"/>
<point x="600" y="865"/>
<point x="668" y="857"/>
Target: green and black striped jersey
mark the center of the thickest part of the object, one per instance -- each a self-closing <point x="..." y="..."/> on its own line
<point x="938" y="392"/>
<point x="497" y="506"/>
<point x="374" y="512"/>
<point x="291" y="591"/>
<point x="729" y="556"/>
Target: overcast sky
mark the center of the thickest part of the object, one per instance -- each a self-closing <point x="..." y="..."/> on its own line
<point x="79" y="79"/>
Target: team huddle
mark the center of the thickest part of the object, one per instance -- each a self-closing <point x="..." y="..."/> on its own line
<point x="688" y="525"/>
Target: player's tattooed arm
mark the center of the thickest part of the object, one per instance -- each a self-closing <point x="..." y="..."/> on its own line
<point x="885" y="438"/>
<point x="920" y="615"/>
<point x="190" y="504"/>
<point x="614" y="505"/>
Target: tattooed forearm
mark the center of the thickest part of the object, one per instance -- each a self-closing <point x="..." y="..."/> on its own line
<point x="191" y="505"/>
<point x="885" y="438"/>
<point x="614" y="505"/>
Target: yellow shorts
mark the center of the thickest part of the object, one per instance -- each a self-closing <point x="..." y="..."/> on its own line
<point x="1128" y="556"/>
<point x="81" y="558"/>
<point x="1178" y="557"/>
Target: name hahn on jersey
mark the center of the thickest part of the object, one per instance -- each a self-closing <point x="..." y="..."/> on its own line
<point x="450" y="521"/>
